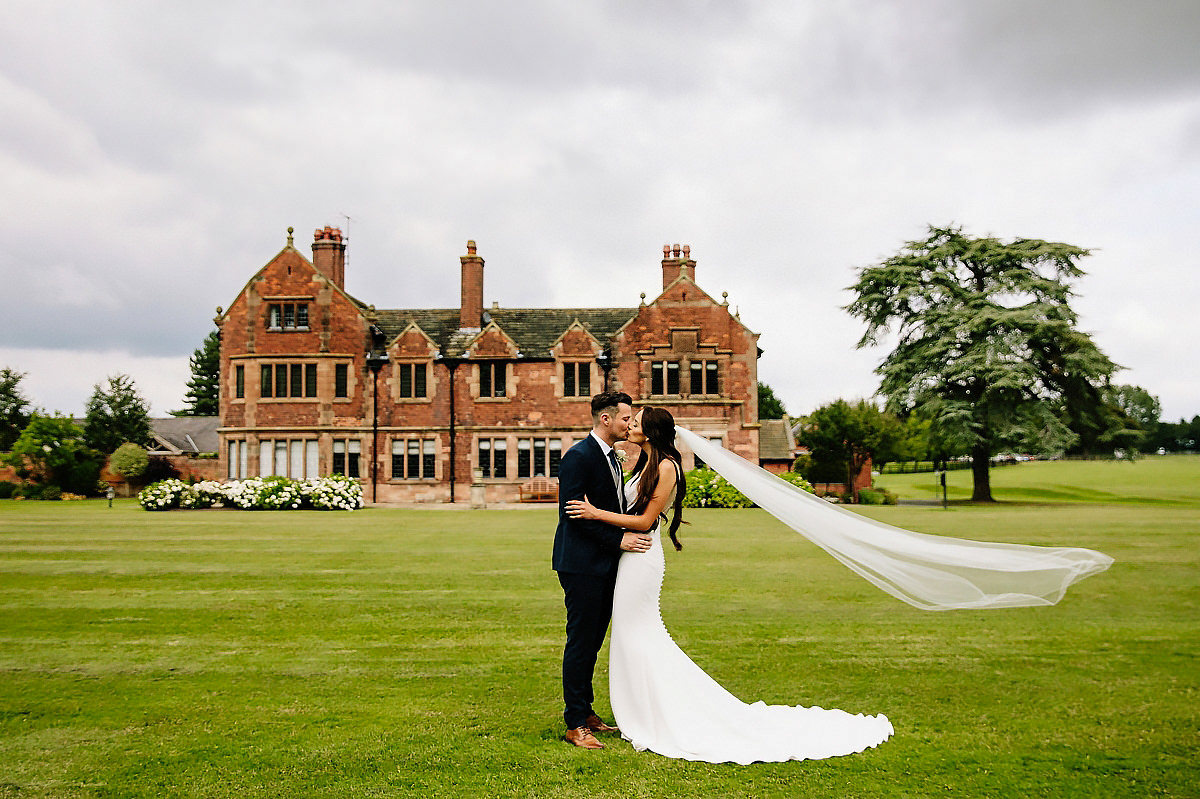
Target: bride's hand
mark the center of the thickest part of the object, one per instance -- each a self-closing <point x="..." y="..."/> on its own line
<point x="581" y="509"/>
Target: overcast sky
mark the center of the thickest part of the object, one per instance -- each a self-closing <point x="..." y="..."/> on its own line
<point x="152" y="156"/>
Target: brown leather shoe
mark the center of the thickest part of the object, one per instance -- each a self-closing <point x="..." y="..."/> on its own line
<point x="583" y="738"/>
<point x="596" y="725"/>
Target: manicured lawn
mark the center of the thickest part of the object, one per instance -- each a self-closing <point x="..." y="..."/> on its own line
<point x="416" y="653"/>
<point x="1166" y="479"/>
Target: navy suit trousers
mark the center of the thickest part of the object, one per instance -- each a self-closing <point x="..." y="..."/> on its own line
<point x="588" y="598"/>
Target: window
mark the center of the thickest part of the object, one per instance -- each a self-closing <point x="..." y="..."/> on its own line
<point x="493" y="457"/>
<point x="290" y="316"/>
<point x="704" y="378"/>
<point x="295" y="458"/>
<point x="289" y="380"/>
<point x="341" y="380"/>
<point x="346" y="453"/>
<point x="491" y="379"/>
<point x="310" y="380"/>
<point x="664" y="377"/>
<point x="538" y="457"/>
<point x="239" y="381"/>
<point x="412" y="379"/>
<point x="577" y="379"/>
<point x="414" y="459"/>
<point x="235" y="468"/>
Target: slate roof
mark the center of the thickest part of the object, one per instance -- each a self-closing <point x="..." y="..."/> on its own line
<point x="534" y="330"/>
<point x="191" y="434"/>
<point x="775" y="440"/>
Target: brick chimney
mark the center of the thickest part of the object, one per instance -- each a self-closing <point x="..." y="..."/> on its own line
<point x="470" y="314"/>
<point x="677" y="261"/>
<point x="329" y="255"/>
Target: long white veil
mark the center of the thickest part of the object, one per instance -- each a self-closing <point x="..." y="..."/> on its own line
<point x="927" y="571"/>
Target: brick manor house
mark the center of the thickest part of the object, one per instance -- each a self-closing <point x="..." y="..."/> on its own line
<point x="421" y="403"/>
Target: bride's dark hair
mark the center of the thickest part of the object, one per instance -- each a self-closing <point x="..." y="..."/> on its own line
<point x="658" y="425"/>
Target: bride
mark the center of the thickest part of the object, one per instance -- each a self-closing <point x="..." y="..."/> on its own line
<point x="661" y="700"/>
<point x="667" y="704"/>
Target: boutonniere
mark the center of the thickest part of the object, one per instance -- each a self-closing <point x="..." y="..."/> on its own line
<point x="621" y="456"/>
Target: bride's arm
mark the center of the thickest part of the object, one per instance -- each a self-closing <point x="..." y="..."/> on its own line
<point x="582" y="509"/>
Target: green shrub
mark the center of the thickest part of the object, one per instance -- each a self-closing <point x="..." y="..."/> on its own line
<point x="28" y="490"/>
<point x="7" y="489"/>
<point x="129" y="460"/>
<point x="869" y="496"/>
<point x="50" y="492"/>
<point x="876" y="496"/>
<point x="797" y="479"/>
<point x="707" y="489"/>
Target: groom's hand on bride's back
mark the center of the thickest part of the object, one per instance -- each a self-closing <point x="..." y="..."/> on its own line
<point x="635" y="542"/>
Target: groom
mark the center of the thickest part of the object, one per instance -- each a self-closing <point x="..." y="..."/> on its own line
<point x="585" y="557"/>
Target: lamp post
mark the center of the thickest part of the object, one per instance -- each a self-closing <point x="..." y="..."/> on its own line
<point x="375" y="362"/>
<point x="605" y="361"/>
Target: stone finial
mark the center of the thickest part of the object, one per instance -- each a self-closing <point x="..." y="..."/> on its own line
<point x="643" y="298"/>
<point x="471" y="247"/>
<point x="291" y="230"/>
<point x="725" y="298"/>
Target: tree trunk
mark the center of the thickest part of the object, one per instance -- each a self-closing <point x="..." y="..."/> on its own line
<point x="980" y="463"/>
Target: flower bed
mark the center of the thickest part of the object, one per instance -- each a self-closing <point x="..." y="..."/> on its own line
<point x="256" y="493"/>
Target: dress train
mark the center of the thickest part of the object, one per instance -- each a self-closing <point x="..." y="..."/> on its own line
<point x="665" y="703"/>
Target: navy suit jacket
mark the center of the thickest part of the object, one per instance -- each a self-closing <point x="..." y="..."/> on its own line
<point x="583" y="546"/>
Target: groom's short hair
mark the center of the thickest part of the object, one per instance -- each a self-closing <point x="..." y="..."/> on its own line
<point x="608" y="401"/>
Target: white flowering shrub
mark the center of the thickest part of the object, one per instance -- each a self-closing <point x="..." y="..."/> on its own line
<point x="256" y="493"/>
<point x="162" y="495"/>
<point x="334" y="493"/>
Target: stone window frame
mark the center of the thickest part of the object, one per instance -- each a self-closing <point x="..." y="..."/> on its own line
<point x="428" y="470"/>
<point x="495" y="365"/>
<point x="710" y="370"/>
<point x="663" y="365"/>
<point x="276" y="318"/>
<point x="301" y="456"/>
<point x="527" y="469"/>
<point x="344" y="367"/>
<point x="411" y="364"/>
<point x="350" y="447"/>
<point x="489" y="473"/>
<point x="309" y="380"/>
<point x="579" y="367"/>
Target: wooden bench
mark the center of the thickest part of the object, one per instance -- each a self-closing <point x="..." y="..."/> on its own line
<point x="539" y="489"/>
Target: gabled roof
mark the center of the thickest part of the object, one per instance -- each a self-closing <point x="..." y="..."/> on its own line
<point x="534" y="330"/>
<point x="190" y="434"/>
<point x="775" y="440"/>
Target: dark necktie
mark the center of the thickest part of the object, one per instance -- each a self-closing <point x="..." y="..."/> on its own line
<point x="612" y="458"/>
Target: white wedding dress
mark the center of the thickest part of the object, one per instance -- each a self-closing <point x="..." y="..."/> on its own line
<point x="665" y="703"/>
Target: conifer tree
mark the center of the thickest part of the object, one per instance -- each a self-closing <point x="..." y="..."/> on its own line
<point x="203" y="395"/>
<point x="116" y="413"/>
<point x="14" y="413"/>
